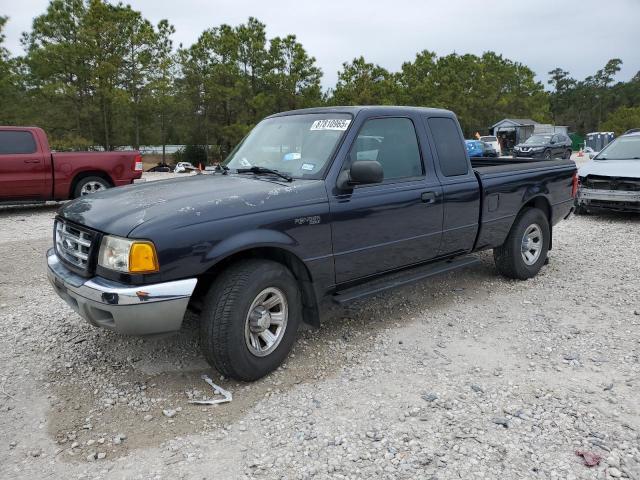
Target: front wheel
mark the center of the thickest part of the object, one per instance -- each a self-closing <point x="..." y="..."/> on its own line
<point x="250" y="318"/>
<point x="524" y="252"/>
<point x="547" y="154"/>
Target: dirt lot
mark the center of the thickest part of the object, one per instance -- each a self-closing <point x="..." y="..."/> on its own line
<point x="464" y="376"/>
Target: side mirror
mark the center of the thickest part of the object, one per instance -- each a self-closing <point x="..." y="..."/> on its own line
<point x="362" y="172"/>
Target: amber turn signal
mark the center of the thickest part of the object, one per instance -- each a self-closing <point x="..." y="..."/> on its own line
<point x="143" y="258"/>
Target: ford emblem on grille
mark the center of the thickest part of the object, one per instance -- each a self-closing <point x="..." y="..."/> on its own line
<point x="73" y="244"/>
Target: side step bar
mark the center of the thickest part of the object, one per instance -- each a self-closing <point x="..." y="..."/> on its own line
<point x="404" y="277"/>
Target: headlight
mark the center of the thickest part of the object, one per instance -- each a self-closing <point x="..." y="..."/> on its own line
<point x="130" y="256"/>
<point x="537" y="149"/>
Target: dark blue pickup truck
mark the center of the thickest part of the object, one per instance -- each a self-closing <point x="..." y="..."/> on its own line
<point x="316" y="205"/>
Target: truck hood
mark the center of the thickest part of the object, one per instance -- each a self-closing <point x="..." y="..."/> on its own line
<point x="611" y="168"/>
<point x="141" y="209"/>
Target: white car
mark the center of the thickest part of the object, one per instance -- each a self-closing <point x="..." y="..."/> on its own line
<point x="182" y="167"/>
<point x="611" y="180"/>
<point x="493" y="141"/>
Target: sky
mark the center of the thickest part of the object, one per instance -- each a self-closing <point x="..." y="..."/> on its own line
<point x="576" y="35"/>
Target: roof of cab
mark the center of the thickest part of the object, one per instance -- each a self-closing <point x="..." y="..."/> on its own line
<point x="377" y="109"/>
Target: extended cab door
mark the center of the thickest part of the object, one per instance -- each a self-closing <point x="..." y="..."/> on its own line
<point x="23" y="168"/>
<point x="460" y="187"/>
<point x="398" y="222"/>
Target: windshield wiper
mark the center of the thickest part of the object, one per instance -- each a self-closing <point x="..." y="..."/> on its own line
<point x="259" y="170"/>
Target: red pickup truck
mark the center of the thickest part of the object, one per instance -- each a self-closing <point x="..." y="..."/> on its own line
<point x="30" y="172"/>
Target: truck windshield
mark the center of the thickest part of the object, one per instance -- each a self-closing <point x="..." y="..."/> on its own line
<point x="539" y="139"/>
<point x="624" y="148"/>
<point x="296" y="145"/>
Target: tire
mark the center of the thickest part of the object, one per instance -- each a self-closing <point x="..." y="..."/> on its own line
<point x="547" y="154"/>
<point x="567" y="155"/>
<point x="510" y="257"/>
<point x="88" y="185"/>
<point x="226" y="338"/>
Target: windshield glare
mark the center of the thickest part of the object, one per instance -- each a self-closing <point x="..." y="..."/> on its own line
<point x="539" y="139"/>
<point x="298" y="145"/>
<point x="624" y="148"/>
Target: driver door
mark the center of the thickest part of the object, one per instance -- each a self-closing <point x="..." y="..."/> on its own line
<point x="393" y="224"/>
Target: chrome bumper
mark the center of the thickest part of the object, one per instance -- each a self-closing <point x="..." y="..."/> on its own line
<point x="586" y="194"/>
<point x="132" y="310"/>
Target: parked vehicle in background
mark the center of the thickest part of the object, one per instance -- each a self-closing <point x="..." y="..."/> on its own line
<point x="317" y="205"/>
<point x="161" y="167"/>
<point x="488" y="150"/>
<point x="184" y="167"/>
<point x="477" y="148"/>
<point x="30" y="172"/>
<point x="611" y="180"/>
<point x="474" y="148"/>
<point x="546" y="145"/>
<point x="492" y="140"/>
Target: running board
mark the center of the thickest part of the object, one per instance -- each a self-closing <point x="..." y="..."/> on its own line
<point x="398" y="279"/>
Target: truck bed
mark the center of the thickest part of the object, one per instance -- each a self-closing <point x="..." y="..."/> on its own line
<point x="507" y="183"/>
<point x="489" y="165"/>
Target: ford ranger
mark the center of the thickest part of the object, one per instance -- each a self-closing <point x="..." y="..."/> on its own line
<point x="30" y="172"/>
<point x="313" y="206"/>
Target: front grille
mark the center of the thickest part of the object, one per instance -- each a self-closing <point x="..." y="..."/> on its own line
<point x="612" y="183"/>
<point x="74" y="245"/>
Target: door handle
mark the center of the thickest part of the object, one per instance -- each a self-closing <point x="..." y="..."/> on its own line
<point x="32" y="161"/>
<point x="428" y="197"/>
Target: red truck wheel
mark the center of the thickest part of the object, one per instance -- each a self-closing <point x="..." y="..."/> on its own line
<point x="90" y="185"/>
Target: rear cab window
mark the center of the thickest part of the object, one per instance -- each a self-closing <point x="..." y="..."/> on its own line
<point x="14" y="142"/>
<point x="452" y="157"/>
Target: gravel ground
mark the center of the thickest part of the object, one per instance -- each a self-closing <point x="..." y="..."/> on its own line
<point x="467" y="375"/>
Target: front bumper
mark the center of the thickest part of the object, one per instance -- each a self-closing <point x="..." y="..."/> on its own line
<point x="609" y="199"/>
<point x="529" y="154"/>
<point x="132" y="310"/>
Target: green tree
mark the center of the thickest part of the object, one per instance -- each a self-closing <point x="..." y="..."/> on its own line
<point x="481" y="90"/>
<point x="12" y="96"/>
<point x="139" y="63"/>
<point x="363" y="83"/>
<point x="163" y="83"/>
<point x="294" y="77"/>
<point x="622" y="119"/>
<point x="58" y="69"/>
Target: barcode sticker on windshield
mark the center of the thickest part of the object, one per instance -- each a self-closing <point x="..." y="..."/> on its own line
<point x="330" y="124"/>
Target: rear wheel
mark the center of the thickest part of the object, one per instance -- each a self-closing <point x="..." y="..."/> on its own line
<point x="90" y="185"/>
<point x="567" y="155"/>
<point x="524" y="252"/>
<point x="250" y="319"/>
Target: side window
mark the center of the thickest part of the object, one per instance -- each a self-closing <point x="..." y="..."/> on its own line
<point x="448" y="143"/>
<point x="393" y="143"/>
<point x="12" y="141"/>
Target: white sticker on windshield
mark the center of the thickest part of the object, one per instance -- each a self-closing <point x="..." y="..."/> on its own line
<point x="330" y="124"/>
<point x="308" y="166"/>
